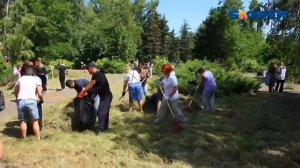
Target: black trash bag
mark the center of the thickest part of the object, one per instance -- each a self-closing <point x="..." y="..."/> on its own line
<point x="29" y="125"/>
<point x="2" y="101"/>
<point x="84" y="115"/>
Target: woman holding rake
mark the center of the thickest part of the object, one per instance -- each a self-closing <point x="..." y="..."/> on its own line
<point x="170" y="98"/>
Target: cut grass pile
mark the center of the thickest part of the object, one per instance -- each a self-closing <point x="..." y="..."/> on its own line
<point x="245" y="131"/>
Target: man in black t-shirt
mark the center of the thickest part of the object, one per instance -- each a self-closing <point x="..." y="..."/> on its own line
<point x="100" y="84"/>
<point x="62" y="71"/>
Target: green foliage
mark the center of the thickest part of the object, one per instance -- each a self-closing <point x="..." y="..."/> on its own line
<point x="158" y="62"/>
<point x="68" y="64"/>
<point x="251" y="65"/>
<point x="111" y="66"/>
<point x="6" y="73"/>
<point x="229" y="82"/>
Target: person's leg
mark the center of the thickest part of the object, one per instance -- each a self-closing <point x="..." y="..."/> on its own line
<point x="1" y="150"/>
<point x="158" y="106"/>
<point x="23" y="129"/>
<point x="178" y="113"/>
<point x="138" y="90"/>
<point x="131" y="93"/>
<point x="63" y="82"/>
<point x="96" y="104"/>
<point x="36" y="129"/>
<point x="205" y="101"/>
<point x="281" y="86"/>
<point x="21" y="117"/>
<point x="161" y="112"/>
<point x="211" y="101"/>
<point x="277" y="85"/>
<point x="34" y="117"/>
<point x="103" y="112"/>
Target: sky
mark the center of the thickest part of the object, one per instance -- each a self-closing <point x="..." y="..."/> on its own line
<point x="193" y="11"/>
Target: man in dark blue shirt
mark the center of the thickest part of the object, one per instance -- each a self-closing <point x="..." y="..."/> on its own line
<point x="79" y="85"/>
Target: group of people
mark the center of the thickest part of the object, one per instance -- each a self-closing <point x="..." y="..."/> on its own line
<point x="29" y="91"/>
<point x="276" y="75"/>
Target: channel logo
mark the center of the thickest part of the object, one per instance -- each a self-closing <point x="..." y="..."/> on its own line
<point x="258" y="15"/>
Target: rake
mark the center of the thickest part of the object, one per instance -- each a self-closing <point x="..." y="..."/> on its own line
<point x="189" y="108"/>
<point x="176" y="123"/>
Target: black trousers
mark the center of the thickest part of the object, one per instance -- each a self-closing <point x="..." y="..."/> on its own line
<point x="280" y="85"/>
<point x="103" y="112"/>
<point x="44" y="82"/>
<point x="62" y="80"/>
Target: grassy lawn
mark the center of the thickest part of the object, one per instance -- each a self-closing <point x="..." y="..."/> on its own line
<point x="245" y="131"/>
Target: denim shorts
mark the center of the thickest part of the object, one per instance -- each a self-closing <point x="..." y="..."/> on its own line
<point x="27" y="110"/>
<point x="135" y="92"/>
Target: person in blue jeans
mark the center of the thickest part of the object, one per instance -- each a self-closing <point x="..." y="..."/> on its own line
<point x="208" y="86"/>
<point x="133" y="81"/>
<point x="28" y="91"/>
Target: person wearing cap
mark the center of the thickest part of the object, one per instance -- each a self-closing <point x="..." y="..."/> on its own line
<point x="208" y="86"/>
<point x="62" y="71"/>
<point x="27" y="88"/>
<point x="100" y="84"/>
<point x="133" y="82"/>
<point x="171" y="96"/>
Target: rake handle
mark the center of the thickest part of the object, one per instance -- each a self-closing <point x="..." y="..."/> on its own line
<point x="168" y="103"/>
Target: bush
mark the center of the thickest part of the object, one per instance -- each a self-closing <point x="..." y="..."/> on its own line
<point x="228" y="83"/>
<point x="158" y="62"/>
<point x="67" y="63"/>
<point x="251" y="65"/>
<point x="6" y="73"/>
<point x="111" y="66"/>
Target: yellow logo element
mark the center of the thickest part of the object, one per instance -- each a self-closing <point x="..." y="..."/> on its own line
<point x="243" y="16"/>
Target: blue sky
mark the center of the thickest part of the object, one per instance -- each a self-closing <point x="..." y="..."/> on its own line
<point x="193" y="11"/>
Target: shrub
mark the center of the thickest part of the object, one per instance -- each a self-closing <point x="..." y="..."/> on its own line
<point x="250" y="65"/>
<point x="67" y="63"/>
<point x="229" y="82"/>
<point x="158" y="62"/>
<point x="111" y="66"/>
<point x="6" y="73"/>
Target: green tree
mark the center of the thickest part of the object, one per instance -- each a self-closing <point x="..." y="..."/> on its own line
<point x="186" y="42"/>
<point x="172" y="47"/>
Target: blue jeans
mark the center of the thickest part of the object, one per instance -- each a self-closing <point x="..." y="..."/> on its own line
<point x="208" y="100"/>
<point x="135" y="92"/>
<point x="27" y="110"/>
<point x="96" y="104"/>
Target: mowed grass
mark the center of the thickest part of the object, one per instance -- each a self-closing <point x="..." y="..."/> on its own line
<point x="245" y="131"/>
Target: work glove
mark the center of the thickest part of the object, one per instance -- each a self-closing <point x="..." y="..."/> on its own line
<point x="80" y="95"/>
<point x="167" y="98"/>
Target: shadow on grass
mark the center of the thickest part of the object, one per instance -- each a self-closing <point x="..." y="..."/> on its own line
<point x="12" y="129"/>
<point x="246" y="130"/>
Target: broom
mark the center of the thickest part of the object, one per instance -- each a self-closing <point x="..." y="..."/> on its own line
<point x="176" y="123"/>
<point x="189" y="108"/>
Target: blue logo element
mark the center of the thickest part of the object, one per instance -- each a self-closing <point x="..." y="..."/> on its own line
<point x="258" y="15"/>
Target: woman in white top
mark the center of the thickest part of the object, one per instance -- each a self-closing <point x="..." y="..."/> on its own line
<point x="171" y="96"/>
<point x="132" y="80"/>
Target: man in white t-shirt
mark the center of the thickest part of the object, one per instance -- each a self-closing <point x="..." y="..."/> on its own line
<point x="281" y="71"/>
<point x="27" y="89"/>
<point x="171" y="96"/>
<point x="132" y="80"/>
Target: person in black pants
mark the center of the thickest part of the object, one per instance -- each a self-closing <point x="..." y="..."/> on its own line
<point x="100" y="84"/>
<point x="62" y="71"/>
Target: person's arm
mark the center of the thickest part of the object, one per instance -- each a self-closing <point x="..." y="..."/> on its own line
<point x="88" y="87"/>
<point x="16" y="91"/>
<point x="40" y="93"/>
<point x="174" y="90"/>
<point x="201" y="84"/>
<point x="125" y="86"/>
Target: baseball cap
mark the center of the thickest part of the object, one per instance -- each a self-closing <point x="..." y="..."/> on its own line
<point x="91" y="65"/>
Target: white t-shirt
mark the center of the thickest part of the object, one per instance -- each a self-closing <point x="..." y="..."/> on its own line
<point x="169" y="84"/>
<point x="282" y="72"/>
<point x="132" y="77"/>
<point x="28" y="87"/>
